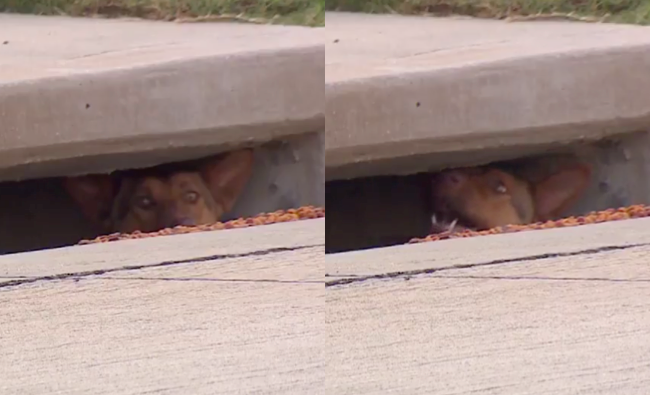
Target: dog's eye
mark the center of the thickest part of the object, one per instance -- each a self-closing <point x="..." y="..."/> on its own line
<point x="144" y="202"/>
<point x="191" y="197"/>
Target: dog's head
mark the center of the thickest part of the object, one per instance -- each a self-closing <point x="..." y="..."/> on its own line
<point x="482" y="198"/>
<point x="486" y="197"/>
<point x="163" y="197"/>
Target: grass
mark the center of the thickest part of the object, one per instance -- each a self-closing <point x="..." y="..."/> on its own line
<point x="620" y="11"/>
<point x="293" y="12"/>
<point x="311" y="12"/>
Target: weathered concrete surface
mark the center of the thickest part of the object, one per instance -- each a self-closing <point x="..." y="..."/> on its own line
<point x="412" y="86"/>
<point x="84" y="95"/>
<point x="573" y="322"/>
<point x="240" y="311"/>
<point x="480" y="250"/>
<point x="287" y="174"/>
<point x="150" y="251"/>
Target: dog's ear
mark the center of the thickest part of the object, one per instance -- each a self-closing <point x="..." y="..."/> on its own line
<point x="558" y="192"/>
<point x="227" y="176"/>
<point x="93" y="194"/>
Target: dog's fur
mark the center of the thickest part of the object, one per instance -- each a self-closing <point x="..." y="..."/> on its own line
<point x="164" y="196"/>
<point x="481" y="198"/>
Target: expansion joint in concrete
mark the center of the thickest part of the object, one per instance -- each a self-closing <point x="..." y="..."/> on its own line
<point x="78" y="275"/>
<point x="349" y="279"/>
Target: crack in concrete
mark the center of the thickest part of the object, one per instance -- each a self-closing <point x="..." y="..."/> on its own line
<point x="21" y="280"/>
<point x="409" y="273"/>
<point x="220" y="280"/>
<point x="545" y="278"/>
<point x="451" y="49"/>
<point x="123" y="50"/>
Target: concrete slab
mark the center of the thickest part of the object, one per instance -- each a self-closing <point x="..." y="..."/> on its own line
<point x="180" y="329"/>
<point x="412" y="86"/>
<point x="204" y="313"/>
<point x="487" y="250"/>
<point x="303" y="237"/>
<point x="552" y="311"/>
<point x="95" y="94"/>
<point x="556" y="325"/>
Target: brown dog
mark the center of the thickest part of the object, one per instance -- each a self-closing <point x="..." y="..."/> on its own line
<point x="164" y="196"/>
<point x="482" y="198"/>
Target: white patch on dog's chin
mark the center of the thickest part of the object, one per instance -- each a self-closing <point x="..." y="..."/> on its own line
<point x="453" y="224"/>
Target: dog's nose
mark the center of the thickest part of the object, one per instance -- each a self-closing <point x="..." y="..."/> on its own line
<point x="452" y="177"/>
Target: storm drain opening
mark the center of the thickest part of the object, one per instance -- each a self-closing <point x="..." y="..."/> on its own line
<point x="491" y="191"/>
<point x="206" y="188"/>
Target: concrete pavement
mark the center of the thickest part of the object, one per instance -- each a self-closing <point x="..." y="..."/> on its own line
<point x="227" y="312"/>
<point x="558" y="311"/>
<point x="478" y="250"/>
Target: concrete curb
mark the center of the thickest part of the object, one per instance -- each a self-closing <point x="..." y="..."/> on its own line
<point x="411" y="86"/>
<point x="126" y="87"/>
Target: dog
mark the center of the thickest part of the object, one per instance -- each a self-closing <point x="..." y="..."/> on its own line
<point x="148" y="200"/>
<point x="481" y="198"/>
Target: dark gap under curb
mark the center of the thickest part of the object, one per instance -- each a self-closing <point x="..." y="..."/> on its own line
<point x="409" y="273"/>
<point x="389" y="202"/>
<point x="98" y="272"/>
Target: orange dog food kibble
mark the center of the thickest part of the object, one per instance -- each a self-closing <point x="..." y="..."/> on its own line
<point x="636" y="211"/>
<point x="306" y="212"/>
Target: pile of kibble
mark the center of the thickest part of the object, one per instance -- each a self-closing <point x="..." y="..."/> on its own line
<point x="306" y="212"/>
<point x="636" y="211"/>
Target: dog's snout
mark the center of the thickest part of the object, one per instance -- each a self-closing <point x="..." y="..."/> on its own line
<point x="451" y="178"/>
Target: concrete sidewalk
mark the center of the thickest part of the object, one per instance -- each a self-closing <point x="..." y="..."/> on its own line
<point x="216" y="312"/>
<point x="399" y="88"/>
<point x="559" y="311"/>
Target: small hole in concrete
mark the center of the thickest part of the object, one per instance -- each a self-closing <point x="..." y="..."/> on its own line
<point x="417" y="104"/>
<point x="603" y="186"/>
<point x="87" y="105"/>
